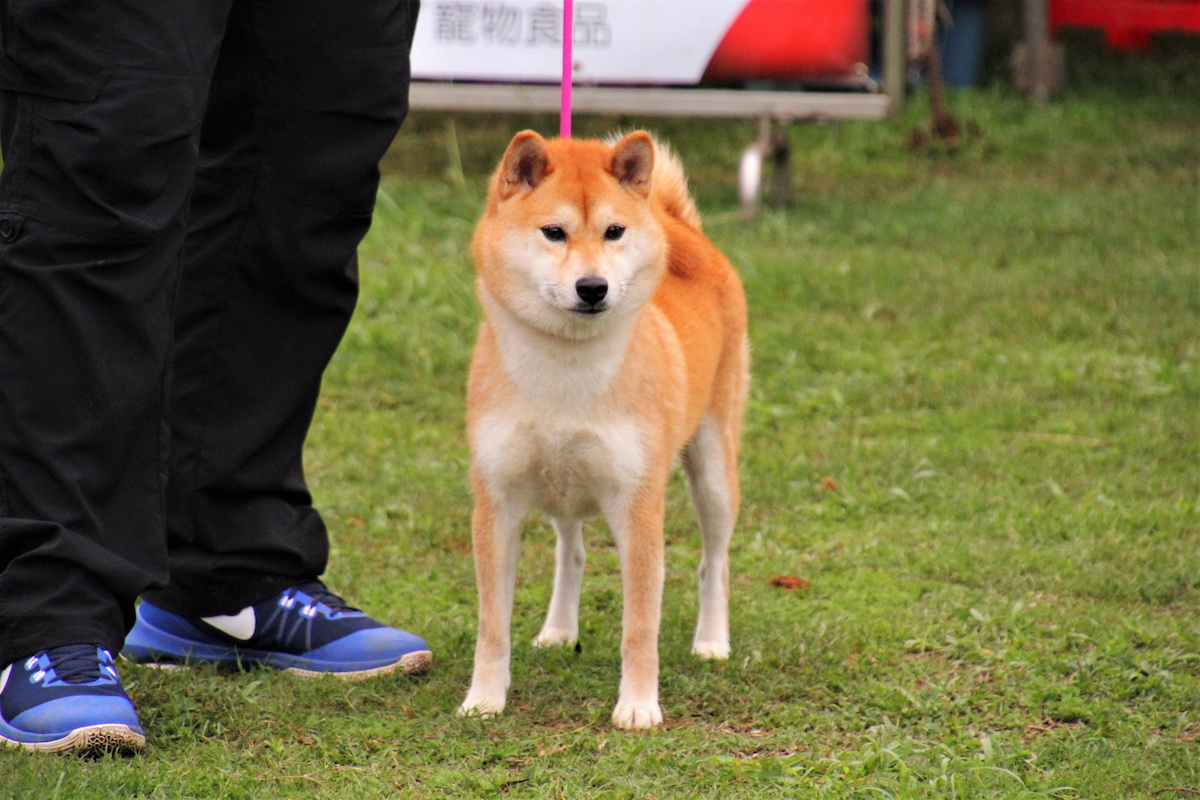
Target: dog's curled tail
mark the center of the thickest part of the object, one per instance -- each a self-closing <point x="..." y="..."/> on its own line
<point x="669" y="184"/>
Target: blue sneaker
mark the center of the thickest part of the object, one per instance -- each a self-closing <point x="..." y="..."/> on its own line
<point x="306" y="629"/>
<point x="68" y="699"/>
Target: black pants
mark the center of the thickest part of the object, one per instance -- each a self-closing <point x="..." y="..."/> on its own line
<point x="184" y="188"/>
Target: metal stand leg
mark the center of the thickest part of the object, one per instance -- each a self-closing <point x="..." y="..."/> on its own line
<point x="771" y="144"/>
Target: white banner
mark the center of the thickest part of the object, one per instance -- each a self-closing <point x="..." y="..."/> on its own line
<point x="615" y="41"/>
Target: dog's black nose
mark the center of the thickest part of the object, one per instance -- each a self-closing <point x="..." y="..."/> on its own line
<point x="591" y="290"/>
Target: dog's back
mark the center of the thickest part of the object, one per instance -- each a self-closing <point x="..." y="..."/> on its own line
<point x="701" y="294"/>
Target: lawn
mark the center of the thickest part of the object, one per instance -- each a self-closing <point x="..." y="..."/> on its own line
<point x="974" y="435"/>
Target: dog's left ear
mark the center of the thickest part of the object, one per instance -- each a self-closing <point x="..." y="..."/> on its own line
<point x="633" y="162"/>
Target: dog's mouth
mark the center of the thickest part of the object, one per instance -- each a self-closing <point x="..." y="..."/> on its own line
<point x="590" y="310"/>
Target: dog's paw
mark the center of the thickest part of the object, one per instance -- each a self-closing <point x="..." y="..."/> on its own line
<point x="637" y="715"/>
<point x="555" y="637"/>
<point x="481" y="706"/>
<point x="711" y="651"/>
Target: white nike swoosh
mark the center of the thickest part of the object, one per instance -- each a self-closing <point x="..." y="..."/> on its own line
<point x="239" y="626"/>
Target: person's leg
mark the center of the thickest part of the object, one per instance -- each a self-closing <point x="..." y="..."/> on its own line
<point x="99" y="117"/>
<point x="98" y="126"/>
<point x="307" y="97"/>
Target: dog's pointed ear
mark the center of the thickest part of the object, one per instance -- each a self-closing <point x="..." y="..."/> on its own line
<point x="526" y="163"/>
<point x="633" y="162"/>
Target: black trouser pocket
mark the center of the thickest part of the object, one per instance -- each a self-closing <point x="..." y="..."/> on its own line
<point x="57" y="48"/>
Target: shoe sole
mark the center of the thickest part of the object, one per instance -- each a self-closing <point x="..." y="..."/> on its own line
<point x="93" y="740"/>
<point x="415" y="663"/>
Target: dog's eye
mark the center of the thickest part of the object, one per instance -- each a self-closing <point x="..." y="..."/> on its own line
<point x="614" y="232"/>
<point x="554" y="233"/>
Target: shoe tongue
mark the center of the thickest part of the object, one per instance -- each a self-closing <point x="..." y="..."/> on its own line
<point x="76" y="663"/>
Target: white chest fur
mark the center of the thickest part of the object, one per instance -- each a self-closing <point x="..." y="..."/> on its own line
<point x="567" y="467"/>
<point x="556" y="441"/>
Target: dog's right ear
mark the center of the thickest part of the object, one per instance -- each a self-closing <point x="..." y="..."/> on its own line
<point x="526" y="164"/>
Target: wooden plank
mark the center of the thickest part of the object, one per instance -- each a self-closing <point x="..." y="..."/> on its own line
<point x="1037" y="49"/>
<point x="895" y="51"/>
<point x="653" y="101"/>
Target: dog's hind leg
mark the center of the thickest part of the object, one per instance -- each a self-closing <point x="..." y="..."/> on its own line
<point x="562" y="619"/>
<point x="713" y="480"/>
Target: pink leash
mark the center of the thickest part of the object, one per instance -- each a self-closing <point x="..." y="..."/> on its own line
<point x="564" y="128"/>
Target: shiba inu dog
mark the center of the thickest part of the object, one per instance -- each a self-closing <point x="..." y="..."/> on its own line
<point x="613" y="341"/>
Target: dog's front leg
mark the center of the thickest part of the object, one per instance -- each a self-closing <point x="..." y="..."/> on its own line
<point x="496" y="532"/>
<point x="639" y="537"/>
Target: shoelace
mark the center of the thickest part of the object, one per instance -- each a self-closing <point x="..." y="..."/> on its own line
<point x="320" y="594"/>
<point x="74" y="663"/>
<point x="296" y="630"/>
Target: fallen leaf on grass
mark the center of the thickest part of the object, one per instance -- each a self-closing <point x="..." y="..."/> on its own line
<point x="789" y="582"/>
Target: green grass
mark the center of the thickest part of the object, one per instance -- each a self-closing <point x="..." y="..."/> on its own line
<point x="974" y="427"/>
